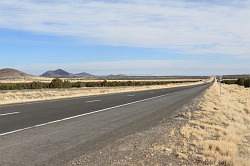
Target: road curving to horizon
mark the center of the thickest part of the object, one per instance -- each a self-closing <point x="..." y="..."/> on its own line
<point x="55" y="132"/>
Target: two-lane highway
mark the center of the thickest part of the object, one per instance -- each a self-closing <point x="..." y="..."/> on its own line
<point x="38" y="113"/>
<point x="54" y="132"/>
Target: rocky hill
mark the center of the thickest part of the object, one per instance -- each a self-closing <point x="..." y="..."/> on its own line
<point x="57" y="73"/>
<point x="12" y="73"/>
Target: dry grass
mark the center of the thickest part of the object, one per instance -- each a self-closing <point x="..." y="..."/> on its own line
<point x="20" y="96"/>
<point x="219" y="133"/>
<point x="26" y="79"/>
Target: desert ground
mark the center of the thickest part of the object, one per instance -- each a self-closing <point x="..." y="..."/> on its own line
<point x="20" y="96"/>
<point x="213" y="130"/>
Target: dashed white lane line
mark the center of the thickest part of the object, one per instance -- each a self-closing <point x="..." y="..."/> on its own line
<point x="130" y="95"/>
<point x="12" y="113"/>
<point x="93" y="101"/>
<point x="81" y="115"/>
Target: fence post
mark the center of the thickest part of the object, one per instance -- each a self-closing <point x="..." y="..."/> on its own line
<point x="220" y="84"/>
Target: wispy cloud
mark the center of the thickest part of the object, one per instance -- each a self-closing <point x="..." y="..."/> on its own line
<point x="196" y="27"/>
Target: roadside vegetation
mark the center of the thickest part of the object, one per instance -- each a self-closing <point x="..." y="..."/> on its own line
<point x="58" y="83"/>
<point x="241" y="81"/>
<point x="218" y="133"/>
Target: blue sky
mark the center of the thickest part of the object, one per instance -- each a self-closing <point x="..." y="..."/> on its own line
<point x="160" y="37"/>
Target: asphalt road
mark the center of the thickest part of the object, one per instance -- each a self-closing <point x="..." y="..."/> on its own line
<point x="55" y="132"/>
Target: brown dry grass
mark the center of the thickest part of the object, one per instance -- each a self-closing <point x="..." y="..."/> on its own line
<point x="25" y="79"/>
<point x="219" y="133"/>
<point x="20" y="96"/>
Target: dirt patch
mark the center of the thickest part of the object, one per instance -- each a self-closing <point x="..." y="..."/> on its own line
<point x="152" y="147"/>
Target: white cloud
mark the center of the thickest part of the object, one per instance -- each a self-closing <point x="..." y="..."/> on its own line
<point x="206" y="27"/>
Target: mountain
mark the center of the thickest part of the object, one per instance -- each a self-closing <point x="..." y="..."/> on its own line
<point x="57" y="73"/>
<point x="83" y="74"/>
<point x="12" y="73"/>
<point x="117" y="75"/>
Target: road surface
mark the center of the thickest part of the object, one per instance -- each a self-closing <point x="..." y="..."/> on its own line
<point x="55" y="132"/>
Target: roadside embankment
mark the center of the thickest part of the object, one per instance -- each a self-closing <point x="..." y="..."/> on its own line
<point x="219" y="132"/>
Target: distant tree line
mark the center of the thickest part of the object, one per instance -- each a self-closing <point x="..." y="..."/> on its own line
<point x="241" y="81"/>
<point x="58" y="83"/>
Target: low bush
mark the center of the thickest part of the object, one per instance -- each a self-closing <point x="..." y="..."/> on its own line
<point x="58" y="83"/>
<point x="230" y="81"/>
<point x="78" y="84"/>
<point x="37" y="85"/>
<point x="241" y="81"/>
<point x="247" y="83"/>
<point x="67" y="84"/>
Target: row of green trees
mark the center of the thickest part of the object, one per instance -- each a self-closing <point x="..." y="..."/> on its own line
<point x="241" y="81"/>
<point x="58" y="83"/>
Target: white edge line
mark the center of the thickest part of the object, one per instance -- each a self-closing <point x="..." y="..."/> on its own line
<point x="92" y="101"/>
<point x="77" y="116"/>
<point x="12" y="113"/>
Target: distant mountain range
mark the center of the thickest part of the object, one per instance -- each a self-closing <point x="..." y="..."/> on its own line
<point x="84" y="74"/>
<point x="12" y="73"/>
<point x="60" y="73"/>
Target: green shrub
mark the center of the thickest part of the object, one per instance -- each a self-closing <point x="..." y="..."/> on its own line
<point x="67" y="84"/>
<point x="247" y="83"/>
<point x="241" y="81"/>
<point x="56" y="83"/>
<point x="36" y="85"/>
<point x="78" y="84"/>
<point x="94" y="84"/>
<point x="230" y="81"/>
<point x="105" y="83"/>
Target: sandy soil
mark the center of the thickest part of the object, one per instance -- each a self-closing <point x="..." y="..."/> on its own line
<point x="212" y="130"/>
<point x="20" y="96"/>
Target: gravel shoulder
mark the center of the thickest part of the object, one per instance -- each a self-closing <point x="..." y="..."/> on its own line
<point x="159" y="145"/>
